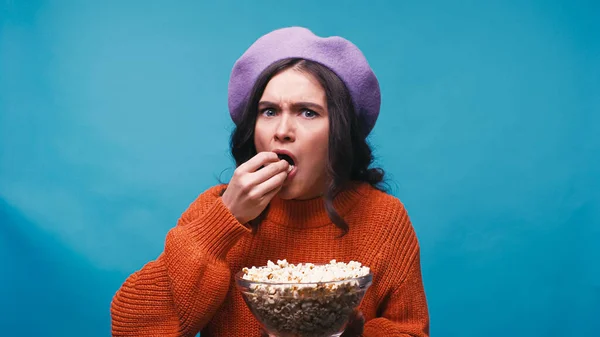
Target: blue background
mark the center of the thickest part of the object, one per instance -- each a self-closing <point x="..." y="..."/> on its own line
<point x="113" y="118"/>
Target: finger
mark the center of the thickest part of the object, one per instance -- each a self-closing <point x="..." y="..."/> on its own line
<point x="355" y="326"/>
<point x="257" y="161"/>
<point x="268" y="172"/>
<point x="359" y="323"/>
<point x="358" y="319"/>
<point x="269" y="196"/>
<point x="271" y="186"/>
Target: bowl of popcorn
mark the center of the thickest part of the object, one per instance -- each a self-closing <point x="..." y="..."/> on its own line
<point x="305" y="299"/>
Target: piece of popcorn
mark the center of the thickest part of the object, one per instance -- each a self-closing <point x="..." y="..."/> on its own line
<point x="284" y="272"/>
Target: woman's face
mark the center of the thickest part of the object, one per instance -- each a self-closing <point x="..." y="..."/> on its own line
<point x="293" y="120"/>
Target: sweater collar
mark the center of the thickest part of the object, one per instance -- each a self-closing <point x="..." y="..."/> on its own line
<point x="312" y="213"/>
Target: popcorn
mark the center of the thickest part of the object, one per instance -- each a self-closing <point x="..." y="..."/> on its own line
<point x="304" y="299"/>
<point x="284" y="272"/>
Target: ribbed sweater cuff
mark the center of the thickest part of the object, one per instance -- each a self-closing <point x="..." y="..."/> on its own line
<point x="217" y="231"/>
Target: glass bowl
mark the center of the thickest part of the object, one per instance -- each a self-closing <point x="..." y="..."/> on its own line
<point x="320" y="309"/>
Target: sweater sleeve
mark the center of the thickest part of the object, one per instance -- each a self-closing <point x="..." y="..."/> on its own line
<point x="178" y="293"/>
<point x="405" y="312"/>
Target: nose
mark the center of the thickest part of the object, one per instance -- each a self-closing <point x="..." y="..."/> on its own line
<point x="285" y="131"/>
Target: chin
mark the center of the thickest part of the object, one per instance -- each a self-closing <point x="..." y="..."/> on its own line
<point x="295" y="191"/>
<point x="287" y="193"/>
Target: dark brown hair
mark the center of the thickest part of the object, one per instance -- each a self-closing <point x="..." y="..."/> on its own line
<point x="349" y="153"/>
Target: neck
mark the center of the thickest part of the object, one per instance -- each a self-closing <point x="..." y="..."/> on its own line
<point x="317" y="190"/>
<point x="311" y="212"/>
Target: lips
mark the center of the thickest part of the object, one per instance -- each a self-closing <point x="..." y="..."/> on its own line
<point x="289" y="157"/>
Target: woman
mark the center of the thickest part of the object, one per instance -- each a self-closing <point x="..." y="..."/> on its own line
<point x="302" y="191"/>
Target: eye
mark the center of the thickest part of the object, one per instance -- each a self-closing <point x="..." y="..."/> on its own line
<point x="309" y="113"/>
<point x="269" y="112"/>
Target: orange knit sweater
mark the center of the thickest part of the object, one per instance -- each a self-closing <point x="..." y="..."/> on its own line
<point x="189" y="288"/>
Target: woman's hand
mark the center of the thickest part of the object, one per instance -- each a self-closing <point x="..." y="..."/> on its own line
<point x="254" y="184"/>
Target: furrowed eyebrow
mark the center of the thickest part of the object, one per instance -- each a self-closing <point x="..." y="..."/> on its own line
<point x="296" y="105"/>
<point x="266" y="103"/>
<point x="309" y="105"/>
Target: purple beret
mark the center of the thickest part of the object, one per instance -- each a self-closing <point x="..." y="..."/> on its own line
<point x="336" y="53"/>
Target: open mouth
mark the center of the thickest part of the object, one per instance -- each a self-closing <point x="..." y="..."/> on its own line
<point x="287" y="158"/>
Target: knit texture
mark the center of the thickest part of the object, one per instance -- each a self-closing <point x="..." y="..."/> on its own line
<point x="190" y="288"/>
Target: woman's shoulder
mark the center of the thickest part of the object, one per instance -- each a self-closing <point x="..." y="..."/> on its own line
<point x="388" y="226"/>
<point x="381" y="201"/>
<point x="385" y="212"/>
